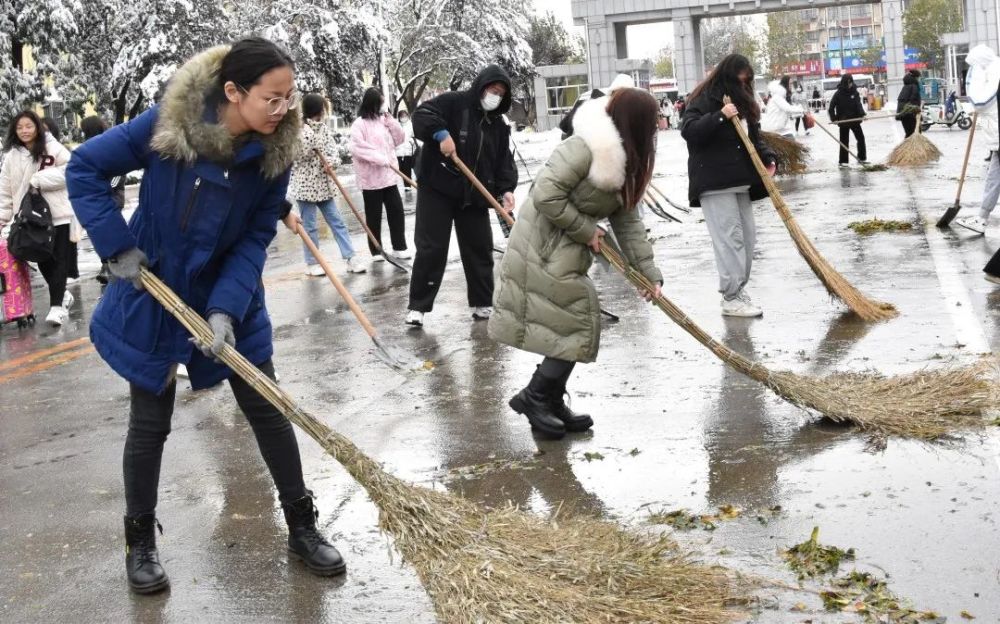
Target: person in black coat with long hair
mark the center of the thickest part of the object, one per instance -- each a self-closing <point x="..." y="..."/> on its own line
<point x="846" y="104"/>
<point x="721" y="176"/>
<point x="909" y="99"/>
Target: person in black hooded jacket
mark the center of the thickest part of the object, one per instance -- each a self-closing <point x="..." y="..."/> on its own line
<point x="909" y="98"/>
<point x="721" y="176"/>
<point x="846" y="104"/>
<point x="470" y="124"/>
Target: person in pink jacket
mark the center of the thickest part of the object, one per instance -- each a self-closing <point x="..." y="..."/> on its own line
<point x="374" y="137"/>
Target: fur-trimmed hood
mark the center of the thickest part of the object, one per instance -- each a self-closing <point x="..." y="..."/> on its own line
<point x="183" y="133"/>
<point x="593" y="124"/>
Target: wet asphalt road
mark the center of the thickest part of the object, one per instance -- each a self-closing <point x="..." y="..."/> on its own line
<point x="675" y="428"/>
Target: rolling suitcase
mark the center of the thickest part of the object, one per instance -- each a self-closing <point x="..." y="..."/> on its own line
<point x="15" y="290"/>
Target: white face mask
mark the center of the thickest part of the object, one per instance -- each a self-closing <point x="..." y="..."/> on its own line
<point x="491" y="101"/>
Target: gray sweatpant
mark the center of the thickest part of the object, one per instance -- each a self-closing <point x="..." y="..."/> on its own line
<point x="729" y="217"/>
<point x="991" y="191"/>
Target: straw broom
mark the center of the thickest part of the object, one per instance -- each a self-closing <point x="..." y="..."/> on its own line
<point x="792" y="155"/>
<point x="836" y="284"/>
<point x="925" y="404"/>
<point x="504" y="565"/>
<point x="914" y="151"/>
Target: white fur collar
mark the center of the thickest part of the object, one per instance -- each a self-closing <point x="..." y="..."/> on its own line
<point x="593" y="124"/>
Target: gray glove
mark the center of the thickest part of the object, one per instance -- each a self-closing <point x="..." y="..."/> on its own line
<point x="126" y="266"/>
<point x="222" y="335"/>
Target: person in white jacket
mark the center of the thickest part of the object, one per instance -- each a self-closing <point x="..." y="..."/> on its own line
<point x="406" y="150"/>
<point x="981" y="86"/>
<point x="35" y="160"/>
<point x="779" y="115"/>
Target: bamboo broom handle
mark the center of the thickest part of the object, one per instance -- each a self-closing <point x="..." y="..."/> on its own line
<point x="824" y="129"/>
<point x="351" y="303"/>
<point x="965" y="163"/>
<point x="482" y="189"/>
<point x="347" y="198"/>
<point x="408" y="179"/>
<point x="772" y="190"/>
<point x="865" y="118"/>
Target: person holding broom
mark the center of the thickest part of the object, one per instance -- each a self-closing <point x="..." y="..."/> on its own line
<point x="846" y="104"/>
<point x="721" y="176"/>
<point x="545" y="303"/>
<point x="981" y="84"/>
<point x="908" y="102"/>
<point x="216" y="154"/>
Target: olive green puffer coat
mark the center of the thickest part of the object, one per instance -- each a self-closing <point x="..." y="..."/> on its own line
<point x="545" y="302"/>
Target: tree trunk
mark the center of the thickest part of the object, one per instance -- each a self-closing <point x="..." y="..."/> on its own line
<point x="120" y="102"/>
<point x="17" y="54"/>
<point x="137" y="106"/>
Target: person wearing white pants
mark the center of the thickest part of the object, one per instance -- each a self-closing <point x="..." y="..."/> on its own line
<point x="981" y="85"/>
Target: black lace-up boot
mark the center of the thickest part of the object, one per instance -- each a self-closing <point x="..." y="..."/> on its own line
<point x="534" y="402"/>
<point x="306" y="544"/>
<point x="142" y="562"/>
<point x="574" y="423"/>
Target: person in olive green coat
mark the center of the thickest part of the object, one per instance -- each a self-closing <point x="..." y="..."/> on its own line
<point x="545" y="303"/>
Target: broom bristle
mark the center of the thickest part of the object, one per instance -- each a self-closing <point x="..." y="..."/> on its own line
<point x="914" y="151"/>
<point x="925" y="405"/>
<point x="791" y="154"/>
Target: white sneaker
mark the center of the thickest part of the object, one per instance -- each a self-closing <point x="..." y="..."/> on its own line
<point x="845" y="166"/>
<point x="315" y="270"/>
<point x="354" y="265"/>
<point x="482" y="314"/>
<point x="977" y="224"/>
<point x="741" y="306"/>
<point x="68" y="300"/>
<point x="414" y="318"/>
<point x="378" y="258"/>
<point x="182" y="372"/>
<point x="57" y="316"/>
<point x="405" y="254"/>
<point x="991" y="278"/>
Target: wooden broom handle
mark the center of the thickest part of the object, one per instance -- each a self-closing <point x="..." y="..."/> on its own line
<point x="364" y="224"/>
<point x="832" y="136"/>
<point x="351" y="303"/>
<point x="965" y="163"/>
<point x="482" y="189"/>
<point x="772" y="190"/>
<point x="865" y="118"/>
<point x="408" y="179"/>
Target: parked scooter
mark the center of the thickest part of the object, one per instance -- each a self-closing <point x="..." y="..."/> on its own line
<point x="951" y="114"/>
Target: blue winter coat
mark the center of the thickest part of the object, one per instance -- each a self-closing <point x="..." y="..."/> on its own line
<point x="208" y="209"/>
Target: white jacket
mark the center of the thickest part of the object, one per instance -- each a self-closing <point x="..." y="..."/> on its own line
<point x="779" y="115"/>
<point x="408" y="146"/>
<point x="19" y="172"/>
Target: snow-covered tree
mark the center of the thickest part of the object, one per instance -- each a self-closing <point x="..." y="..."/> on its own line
<point x="333" y="42"/>
<point x="47" y="27"/>
<point x="442" y="44"/>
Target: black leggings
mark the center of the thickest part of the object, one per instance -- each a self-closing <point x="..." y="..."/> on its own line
<point x="389" y="196"/>
<point x="554" y="368"/>
<point x="149" y="424"/>
<point x="845" y="138"/>
<point x="909" y="124"/>
<point x="55" y="270"/>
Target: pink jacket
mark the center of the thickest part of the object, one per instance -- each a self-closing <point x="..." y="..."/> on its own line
<point x="373" y="148"/>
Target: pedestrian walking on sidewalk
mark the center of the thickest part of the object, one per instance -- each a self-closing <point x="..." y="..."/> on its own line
<point x="216" y="153"/>
<point x="981" y="83"/>
<point x="722" y="178"/>
<point x="375" y="135"/>
<point x="406" y="150"/>
<point x="545" y="302"/>
<point x="91" y="127"/>
<point x="909" y="100"/>
<point x="312" y="189"/>
<point x="846" y="104"/>
<point x="36" y="162"/>
<point x="470" y="124"/>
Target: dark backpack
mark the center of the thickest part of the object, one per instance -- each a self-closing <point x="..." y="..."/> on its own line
<point x="32" y="235"/>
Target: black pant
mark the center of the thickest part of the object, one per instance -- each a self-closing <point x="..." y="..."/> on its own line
<point x="845" y="138"/>
<point x="798" y="120"/>
<point x="55" y="270"/>
<point x="435" y="215"/>
<point x="72" y="261"/>
<point x="406" y="166"/>
<point x="374" y="200"/>
<point x="149" y="424"/>
<point x="909" y="124"/>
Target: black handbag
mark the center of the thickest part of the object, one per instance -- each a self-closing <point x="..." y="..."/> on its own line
<point x="32" y="236"/>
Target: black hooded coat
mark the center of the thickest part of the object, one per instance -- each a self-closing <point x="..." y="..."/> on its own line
<point x="482" y="139"/>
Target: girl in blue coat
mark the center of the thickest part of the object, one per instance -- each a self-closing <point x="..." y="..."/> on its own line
<point x="216" y="154"/>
